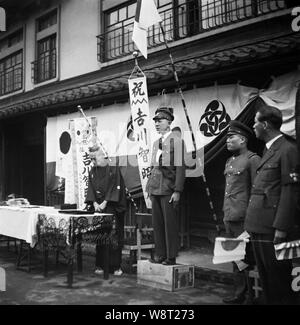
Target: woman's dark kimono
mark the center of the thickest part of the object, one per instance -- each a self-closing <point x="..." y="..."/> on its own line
<point x="106" y="183"/>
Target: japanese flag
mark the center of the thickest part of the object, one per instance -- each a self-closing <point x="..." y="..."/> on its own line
<point x="229" y="250"/>
<point x="288" y="250"/>
<point x="146" y="16"/>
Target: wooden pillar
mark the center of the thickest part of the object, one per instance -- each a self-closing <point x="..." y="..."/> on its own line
<point x="44" y="121"/>
<point x="2" y="165"/>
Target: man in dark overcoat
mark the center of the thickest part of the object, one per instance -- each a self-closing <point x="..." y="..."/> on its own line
<point x="272" y="211"/>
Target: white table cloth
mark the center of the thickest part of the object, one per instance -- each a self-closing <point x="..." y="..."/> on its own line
<point x="20" y="222"/>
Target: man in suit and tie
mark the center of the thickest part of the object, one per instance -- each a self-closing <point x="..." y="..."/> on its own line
<point x="165" y="186"/>
<point x="271" y="214"/>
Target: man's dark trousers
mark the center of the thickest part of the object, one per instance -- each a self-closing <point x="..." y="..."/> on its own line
<point x="241" y="278"/>
<point x="275" y="276"/>
<point x="164" y="218"/>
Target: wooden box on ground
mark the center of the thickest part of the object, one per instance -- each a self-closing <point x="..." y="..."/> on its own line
<point x="166" y="277"/>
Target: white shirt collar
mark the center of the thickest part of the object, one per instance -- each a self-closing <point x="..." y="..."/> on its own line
<point x="164" y="136"/>
<point x="269" y="143"/>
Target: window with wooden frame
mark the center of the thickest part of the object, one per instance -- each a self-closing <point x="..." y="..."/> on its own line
<point x="11" y="62"/>
<point x="46" y="59"/>
<point x="118" y="21"/>
<point x="180" y="19"/>
<point x="11" y="73"/>
<point x="45" y="66"/>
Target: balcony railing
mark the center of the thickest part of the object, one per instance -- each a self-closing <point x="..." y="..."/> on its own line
<point x="44" y="68"/>
<point x="11" y="79"/>
<point x="185" y="20"/>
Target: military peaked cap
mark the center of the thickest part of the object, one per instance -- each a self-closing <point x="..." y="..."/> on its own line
<point x="164" y="113"/>
<point x="236" y="127"/>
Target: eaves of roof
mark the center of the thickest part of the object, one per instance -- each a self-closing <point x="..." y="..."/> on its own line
<point x="68" y="94"/>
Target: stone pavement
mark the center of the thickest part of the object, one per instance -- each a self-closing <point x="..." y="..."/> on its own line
<point x="23" y="288"/>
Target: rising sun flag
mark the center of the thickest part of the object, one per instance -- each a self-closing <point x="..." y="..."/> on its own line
<point x="146" y="15"/>
<point x="230" y="249"/>
<point x="288" y="250"/>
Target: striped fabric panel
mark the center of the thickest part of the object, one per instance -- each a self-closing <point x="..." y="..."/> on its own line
<point x="287" y="250"/>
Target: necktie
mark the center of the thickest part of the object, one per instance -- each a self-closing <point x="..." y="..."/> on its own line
<point x="160" y="148"/>
<point x="161" y="139"/>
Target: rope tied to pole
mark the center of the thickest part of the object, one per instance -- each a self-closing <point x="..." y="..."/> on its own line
<point x="136" y="69"/>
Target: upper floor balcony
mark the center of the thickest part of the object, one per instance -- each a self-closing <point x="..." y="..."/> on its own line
<point x="185" y="19"/>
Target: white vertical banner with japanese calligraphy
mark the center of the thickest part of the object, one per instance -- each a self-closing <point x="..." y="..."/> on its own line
<point x="140" y="112"/>
<point x="82" y="134"/>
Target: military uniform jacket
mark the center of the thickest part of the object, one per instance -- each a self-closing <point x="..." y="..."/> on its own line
<point x="167" y="176"/>
<point x="272" y="204"/>
<point x="106" y="183"/>
<point x="239" y="172"/>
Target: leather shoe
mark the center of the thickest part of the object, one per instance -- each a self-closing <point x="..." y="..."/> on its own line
<point x="234" y="300"/>
<point x="157" y="260"/>
<point x="169" y="261"/>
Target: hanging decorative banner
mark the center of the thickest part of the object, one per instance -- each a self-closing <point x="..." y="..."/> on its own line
<point x="82" y="132"/>
<point x="141" y="124"/>
<point x="2" y="20"/>
<point x="2" y="279"/>
<point x="70" y="196"/>
<point x="64" y="159"/>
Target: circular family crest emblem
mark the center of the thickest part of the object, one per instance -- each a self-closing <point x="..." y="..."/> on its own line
<point x="214" y="120"/>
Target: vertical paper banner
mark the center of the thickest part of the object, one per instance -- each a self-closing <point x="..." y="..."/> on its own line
<point x="141" y="124"/>
<point x="70" y="196"/>
<point x="82" y="137"/>
<point x="2" y="20"/>
<point x="64" y="159"/>
<point x="2" y="279"/>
